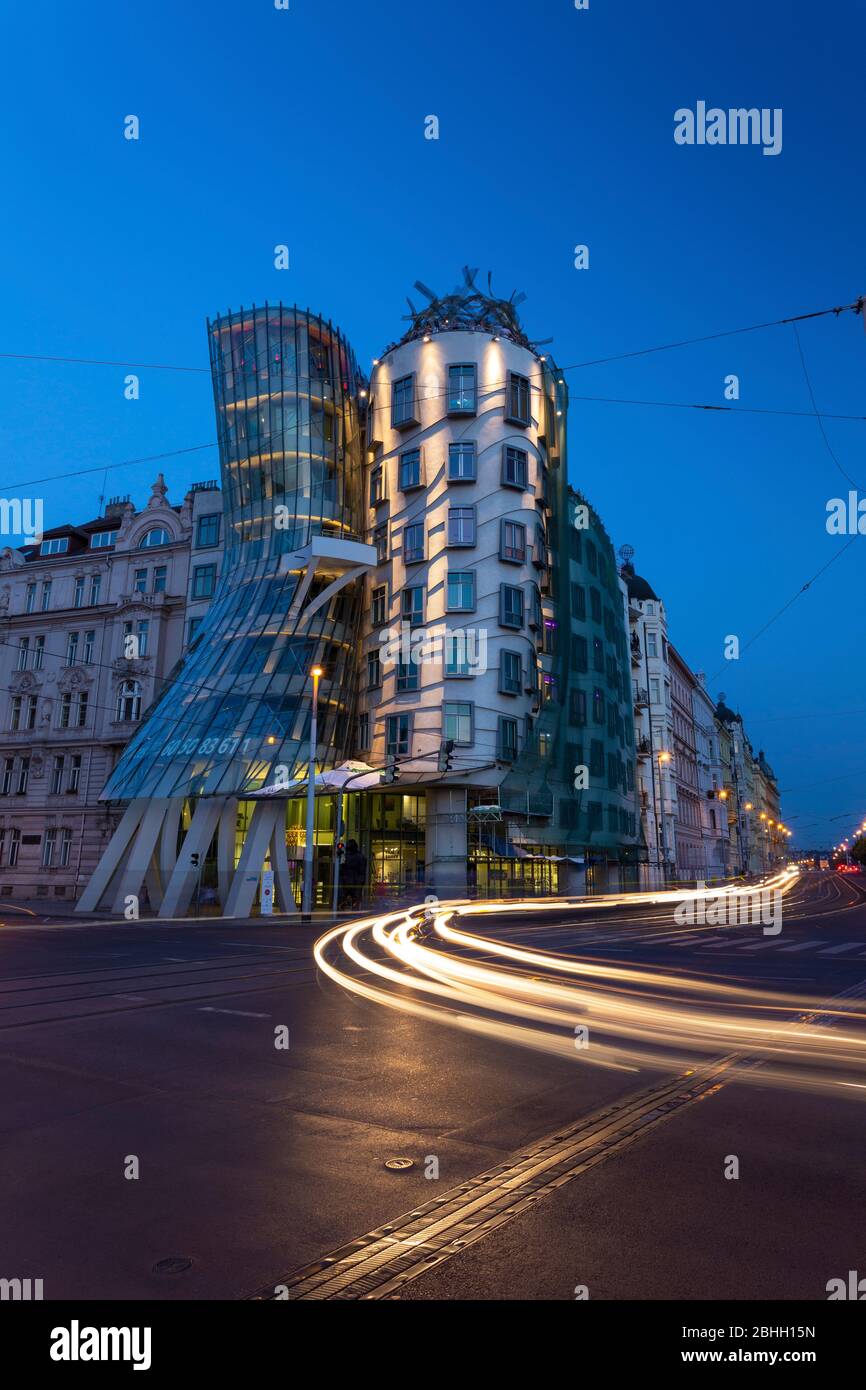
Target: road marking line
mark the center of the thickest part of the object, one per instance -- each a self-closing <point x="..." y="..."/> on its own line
<point x="837" y="950"/>
<point x="759" y="945"/>
<point x="239" y="1013"/>
<point x="803" y="945"/>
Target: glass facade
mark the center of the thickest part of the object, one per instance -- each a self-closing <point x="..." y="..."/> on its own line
<point x="286" y="389"/>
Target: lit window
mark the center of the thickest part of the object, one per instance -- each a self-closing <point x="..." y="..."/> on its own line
<point x="462" y="389"/>
<point x="129" y="702"/>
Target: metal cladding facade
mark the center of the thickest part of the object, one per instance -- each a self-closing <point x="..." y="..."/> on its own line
<point x="287" y="391"/>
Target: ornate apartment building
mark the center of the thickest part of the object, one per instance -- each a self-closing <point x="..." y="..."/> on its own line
<point x="92" y="620"/>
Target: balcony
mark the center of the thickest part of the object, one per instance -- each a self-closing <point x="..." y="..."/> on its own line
<point x="642" y="748"/>
<point x="641" y="696"/>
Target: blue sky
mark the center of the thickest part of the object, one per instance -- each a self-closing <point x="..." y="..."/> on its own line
<point x="305" y="127"/>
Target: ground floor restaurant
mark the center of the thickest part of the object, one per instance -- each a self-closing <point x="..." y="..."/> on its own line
<point x="391" y="852"/>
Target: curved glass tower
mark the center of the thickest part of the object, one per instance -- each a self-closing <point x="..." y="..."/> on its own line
<point x="286" y="389"/>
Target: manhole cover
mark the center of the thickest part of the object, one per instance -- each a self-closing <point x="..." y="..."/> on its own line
<point x="399" y="1165"/>
<point x="174" y="1264"/>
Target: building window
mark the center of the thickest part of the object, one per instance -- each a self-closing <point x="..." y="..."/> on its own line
<point x="403" y="403"/>
<point x="462" y="462"/>
<point x="363" y="731"/>
<point x="597" y="654"/>
<point x="49" y="842"/>
<point x="23" y="777"/>
<point x="579" y="653"/>
<point x="510" y="672"/>
<point x="461" y="525"/>
<point x="507" y="739"/>
<point x="65" y="846"/>
<point x="72" y="649"/>
<point x="14" y="846"/>
<point x="81" y="709"/>
<point x="461" y="591"/>
<point x="101" y="540"/>
<point x="457" y="721"/>
<point x="598" y="706"/>
<point x="129" y="702"/>
<point x="192" y="630"/>
<point x="208" y="530"/>
<point x="95" y="586"/>
<point x="407" y="676"/>
<point x="57" y="546"/>
<point x="457" y="655"/>
<point x="652" y="644"/>
<point x="379" y="606"/>
<point x="512" y="542"/>
<point x="591" y="557"/>
<point x="30" y="600"/>
<point x="157" y="536"/>
<point x="140" y="582"/>
<point x="462" y="391"/>
<point x="595" y="605"/>
<point x="89" y="645"/>
<point x="8" y="771"/>
<point x="510" y="606"/>
<point x="15" y="715"/>
<point x="159" y="578"/>
<point x="577" y="708"/>
<point x="410" y="470"/>
<point x="46" y="595"/>
<point x="377" y="485"/>
<point x="38" y="652"/>
<point x="517" y="407"/>
<point x="380" y="541"/>
<point x="515" y="467"/>
<point x="57" y="775"/>
<point x="73" y="781"/>
<point x="413" y="543"/>
<point x="23" y="649"/>
<point x="412" y="604"/>
<point x="397" y="735"/>
<point x="203" y="581"/>
<point x="374" y="670"/>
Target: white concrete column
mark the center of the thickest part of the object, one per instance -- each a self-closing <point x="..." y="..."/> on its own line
<point x="446" y="841"/>
<point x="112" y="857"/>
<point x="138" y="861"/>
<point x="226" y="847"/>
<point x="259" y="834"/>
<point x="181" y="885"/>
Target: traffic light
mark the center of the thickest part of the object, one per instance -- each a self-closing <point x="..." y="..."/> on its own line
<point x="392" y="771"/>
<point x="446" y="748"/>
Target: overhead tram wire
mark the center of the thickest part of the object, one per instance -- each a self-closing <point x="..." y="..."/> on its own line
<point x="817" y="413"/>
<point x="785" y="606"/>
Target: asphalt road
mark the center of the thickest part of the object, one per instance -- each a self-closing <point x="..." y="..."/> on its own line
<point x="156" y="1043"/>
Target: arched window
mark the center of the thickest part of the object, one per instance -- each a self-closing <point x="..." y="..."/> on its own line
<point x="129" y="702"/>
<point x="158" y="536"/>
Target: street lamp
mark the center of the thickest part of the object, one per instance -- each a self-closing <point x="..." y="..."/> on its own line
<point x="307" y="899"/>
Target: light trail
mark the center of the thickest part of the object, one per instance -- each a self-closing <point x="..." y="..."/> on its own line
<point x="427" y="964"/>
